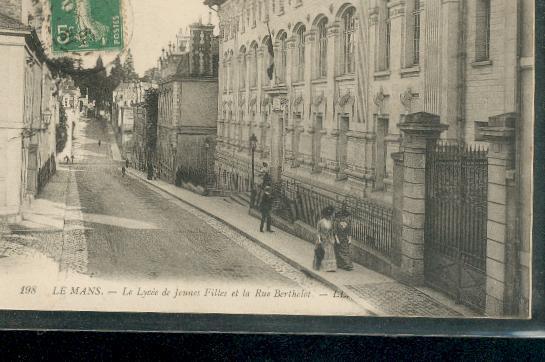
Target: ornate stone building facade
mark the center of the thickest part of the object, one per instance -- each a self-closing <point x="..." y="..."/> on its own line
<point x="30" y="111"/>
<point x="348" y="73"/>
<point x="188" y="89"/>
<point x="360" y="91"/>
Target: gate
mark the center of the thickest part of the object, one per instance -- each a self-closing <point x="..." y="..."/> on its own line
<point x="456" y="218"/>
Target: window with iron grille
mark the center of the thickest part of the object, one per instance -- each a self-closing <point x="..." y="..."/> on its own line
<point x="322" y="49"/>
<point x="242" y="73"/>
<point x="416" y="32"/>
<point x="253" y="82"/>
<point x="482" y="36"/>
<point x="349" y="25"/>
<point x="300" y="75"/>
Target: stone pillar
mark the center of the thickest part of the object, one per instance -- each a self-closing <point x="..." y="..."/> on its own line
<point x="398" y="206"/>
<point x="501" y="239"/>
<point x="420" y="130"/>
<point x="279" y="103"/>
<point x="310" y="45"/>
<point x="332" y="39"/>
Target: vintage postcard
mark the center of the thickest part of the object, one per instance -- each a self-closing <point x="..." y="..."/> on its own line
<point x="267" y="157"/>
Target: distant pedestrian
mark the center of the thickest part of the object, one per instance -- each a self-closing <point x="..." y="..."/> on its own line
<point x="343" y="239"/>
<point x="127" y="163"/>
<point x="72" y="158"/>
<point x="99" y="143"/>
<point x="326" y="239"/>
<point x="265" y="207"/>
<point x="66" y="159"/>
<point x="123" y="171"/>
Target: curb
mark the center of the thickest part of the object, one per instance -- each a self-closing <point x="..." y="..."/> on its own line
<point x="372" y="310"/>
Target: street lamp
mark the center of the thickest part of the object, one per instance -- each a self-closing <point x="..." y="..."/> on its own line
<point x="253" y="145"/>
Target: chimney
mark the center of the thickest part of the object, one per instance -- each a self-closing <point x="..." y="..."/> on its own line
<point x="13" y="9"/>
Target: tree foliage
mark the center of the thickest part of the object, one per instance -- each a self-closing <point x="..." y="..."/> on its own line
<point x="151" y="104"/>
<point x="94" y="82"/>
<point x="129" y="73"/>
<point x="61" y="129"/>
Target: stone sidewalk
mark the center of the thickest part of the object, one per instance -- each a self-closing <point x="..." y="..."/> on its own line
<point x="375" y="292"/>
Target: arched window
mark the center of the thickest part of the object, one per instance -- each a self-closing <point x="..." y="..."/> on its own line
<point x="321" y="70"/>
<point x="349" y="25"/>
<point x="242" y="71"/>
<point x="282" y="58"/>
<point x="300" y="56"/>
<point x="254" y="70"/>
<point x="231" y="72"/>
<point x="225" y="74"/>
<point x="267" y="60"/>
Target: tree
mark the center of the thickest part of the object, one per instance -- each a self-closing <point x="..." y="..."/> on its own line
<point x="128" y="68"/>
<point x="117" y="74"/>
<point x="61" y="130"/>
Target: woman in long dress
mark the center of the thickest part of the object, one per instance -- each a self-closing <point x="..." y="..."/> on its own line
<point x="343" y="238"/>
<point x="326" y="238"/>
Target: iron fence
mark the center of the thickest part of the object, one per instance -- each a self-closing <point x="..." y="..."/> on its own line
<point x="372" y="223"/>
<point x="456" y="222"/>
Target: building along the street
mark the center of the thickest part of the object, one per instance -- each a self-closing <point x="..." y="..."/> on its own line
<point x="347" y="75"/>
<point x="188" y="95"/>
<point x="73" y="104"/>
<point x="29" y="111"/>
<point x="126" y="97"/>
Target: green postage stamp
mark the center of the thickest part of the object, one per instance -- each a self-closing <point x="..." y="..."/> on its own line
<point x="83" y="25"/>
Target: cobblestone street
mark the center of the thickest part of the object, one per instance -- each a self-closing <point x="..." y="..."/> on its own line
<point x="117" y="228"/>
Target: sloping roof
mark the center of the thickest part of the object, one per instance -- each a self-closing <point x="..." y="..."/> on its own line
<point x="8" y="23"/>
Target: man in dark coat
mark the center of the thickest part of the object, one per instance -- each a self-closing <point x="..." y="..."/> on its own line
<point x="265" y="207"/>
